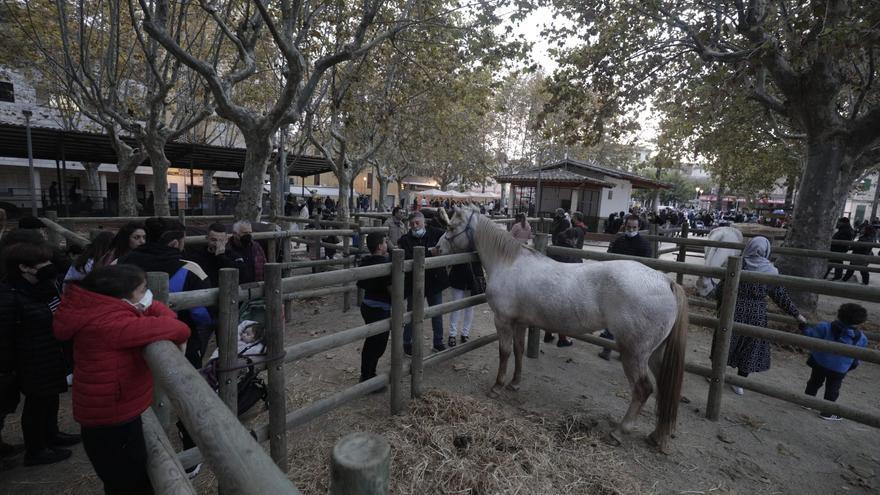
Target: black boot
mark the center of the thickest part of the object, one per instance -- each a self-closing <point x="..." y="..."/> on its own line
<point x="64" y="440"/>
<point x="46" y="456"/>
<point x="8" y="450"/>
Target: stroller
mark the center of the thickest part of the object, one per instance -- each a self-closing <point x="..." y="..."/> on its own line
<point x="251" y="387"/>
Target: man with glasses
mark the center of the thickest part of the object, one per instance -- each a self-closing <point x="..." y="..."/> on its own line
<point x="631" y="244"/>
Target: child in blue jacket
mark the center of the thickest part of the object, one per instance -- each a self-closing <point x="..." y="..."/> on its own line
<point x="832" y="368"/>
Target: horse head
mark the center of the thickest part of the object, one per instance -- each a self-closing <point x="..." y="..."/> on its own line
<point x="459" y="236"/>
<point x="705" y="286"/>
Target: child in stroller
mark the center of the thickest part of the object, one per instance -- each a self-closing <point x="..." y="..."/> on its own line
<point x="251" y="388"/>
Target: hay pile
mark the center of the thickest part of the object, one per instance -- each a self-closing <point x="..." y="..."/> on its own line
<point x="455" y="444"/>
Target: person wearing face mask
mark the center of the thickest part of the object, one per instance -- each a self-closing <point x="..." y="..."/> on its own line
<point x="247" y="253"/>
<point x="110" y="316"/>
<point x="436" y="279"/>
<point x="630" y="244"/>
<point x="163" y="252"/>
<point x="29" y="297"/>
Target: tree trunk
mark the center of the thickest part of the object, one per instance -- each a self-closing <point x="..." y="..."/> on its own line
<point x="822" y="191"/>
<point x="790" y="183"/>
<point x="160" y="165"/>
<point x="250" y="199"/>
<point x="383" y="192"/>
<point x="94" y="185"/>
<point x="874" y="178"/>
<point x="208" y="192"/>
<point x="344" y="176"/>
<point x="718" y="198"/>
<point x="128" y="205"/>
<point x="280" y="186"/>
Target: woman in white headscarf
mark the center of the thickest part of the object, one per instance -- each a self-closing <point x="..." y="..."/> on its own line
<point x="750" y="354"/>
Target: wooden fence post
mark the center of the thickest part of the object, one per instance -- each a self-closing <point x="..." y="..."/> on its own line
<point x="721" y="340"/>
<point x="163" y="467"/>
<point x="272" y="255"/>
<point x="157" y="282"/>
<point x="315" y="249"/>
<point x="682" y="251"/>
<point x="533" y="349"/>
<point x="181" y="214"/>
<point x="286" y="256"/>
<point x="227" y="337"/>
<point x="398" y="308"/>
<point x="360" y="465"/>
<point x="346" y="252"/>
<point x="418" y="317"/>
<point x="275" y="348"/>
<point x="655" y="244"/>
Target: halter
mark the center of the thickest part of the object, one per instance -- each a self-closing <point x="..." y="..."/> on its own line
<point x="467" y="230"/>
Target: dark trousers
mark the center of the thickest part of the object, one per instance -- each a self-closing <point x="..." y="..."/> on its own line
<point x="436" y="322"/>
<point x="39" y="421"/>
<point x="864" y="273"/>
<point x="119" y="456"/>
<point x="838" y="271"/>
<point x="197" y="345"/>
<point x="832" y="380"/>
<point x="374" y="347"/>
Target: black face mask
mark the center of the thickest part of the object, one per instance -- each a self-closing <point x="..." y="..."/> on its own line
<point x="246" y="239"/>
<point x="48" y="272"/>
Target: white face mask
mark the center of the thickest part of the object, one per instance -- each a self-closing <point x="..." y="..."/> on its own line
<point x="631" y="234"/>
<point x="145" y="301"/>
<point x="420" y="232"/>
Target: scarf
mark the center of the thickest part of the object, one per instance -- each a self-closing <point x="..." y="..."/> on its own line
<point x="756" y="256"/>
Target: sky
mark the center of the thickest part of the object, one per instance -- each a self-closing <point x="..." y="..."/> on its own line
<point x="531" y="28"/>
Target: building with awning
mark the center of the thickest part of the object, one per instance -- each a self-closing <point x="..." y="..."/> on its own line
<point x="594" y="189"/>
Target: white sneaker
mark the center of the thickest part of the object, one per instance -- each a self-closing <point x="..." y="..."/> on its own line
<point x="737" y="390"/>
<point x="830" y="417"/>
<point x="194" y="471"/>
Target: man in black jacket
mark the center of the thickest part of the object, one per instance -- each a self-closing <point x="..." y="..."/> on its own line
<point x="572" y="237"/>
<point x="212" y="256"/>
<point x="163" y="252"/>
<point x="436" y="279"/>
<point x="376" y="305"/>
<point x="631" y="244"/>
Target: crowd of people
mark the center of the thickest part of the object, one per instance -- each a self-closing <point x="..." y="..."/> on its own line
<point x="83" y="320"/>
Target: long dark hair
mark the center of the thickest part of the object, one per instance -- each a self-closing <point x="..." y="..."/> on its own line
<point x="96" y="250"/>
<point x="120" y="245"/>
<point x="117" y="281"/>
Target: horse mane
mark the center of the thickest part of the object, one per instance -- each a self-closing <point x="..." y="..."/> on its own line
<point x="498" y="243"/>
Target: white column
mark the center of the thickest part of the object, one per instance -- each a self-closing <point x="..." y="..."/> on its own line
<point x="574" y="200"/>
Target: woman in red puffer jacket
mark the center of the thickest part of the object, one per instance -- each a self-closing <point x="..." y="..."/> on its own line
<point x="110" y="316"/>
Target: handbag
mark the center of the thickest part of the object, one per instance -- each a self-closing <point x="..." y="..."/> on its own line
<point x="478" y="281"/>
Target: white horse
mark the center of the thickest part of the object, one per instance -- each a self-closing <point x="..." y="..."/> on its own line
<point x="717" y="257"/>
<point x="645" y="311"/>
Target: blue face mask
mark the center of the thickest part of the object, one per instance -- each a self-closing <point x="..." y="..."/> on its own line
<point x="420" y="232"/>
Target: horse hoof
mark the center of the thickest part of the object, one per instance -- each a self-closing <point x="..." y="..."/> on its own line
<point x="660" y="445"/>
<point x="513" y="387"/>
<point x="492" y="393"/>
<point x="614" y="439"/>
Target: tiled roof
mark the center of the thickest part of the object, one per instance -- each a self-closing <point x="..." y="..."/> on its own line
<point x="594" y="166"/>
<point x="552" y="176"/>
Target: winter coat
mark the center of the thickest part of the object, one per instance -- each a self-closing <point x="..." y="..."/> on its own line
<point x="436" y="279"/>
<point x="251" y="260"/>
<point x="212" y="263"/>
<point x="375" y="289"/>
<point x="849" y="336"/>
<point x="631" y="246"/>
<point x="844" y="233"/>
<point x="559" y="225"/>
<point x="37" y="356"/>
<point x="112" y="383"/>
<point x="462" y="276"/>
<point x="396" y="230"/>
<point x="183" y="276"/>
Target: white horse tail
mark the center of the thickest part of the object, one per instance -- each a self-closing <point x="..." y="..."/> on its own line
<point x="672" y="370"/>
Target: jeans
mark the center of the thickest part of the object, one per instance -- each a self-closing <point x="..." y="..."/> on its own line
<point x="466" y="315"/>
<point x="436" y="322"/>
<point x="119" y="455"/>
<point x="832" y="380"/>
<point x="374" y="347"/>
<point x="39" y="421"/>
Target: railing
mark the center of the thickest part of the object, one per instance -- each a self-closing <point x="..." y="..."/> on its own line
<point x="724" y="324"/>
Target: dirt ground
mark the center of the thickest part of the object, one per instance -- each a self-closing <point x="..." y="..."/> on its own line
<point x="760" y="446"/>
